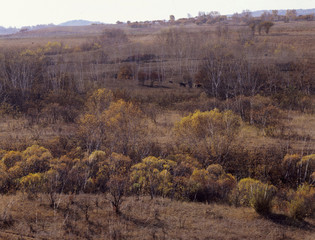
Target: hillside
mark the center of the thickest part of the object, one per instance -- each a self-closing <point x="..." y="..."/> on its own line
<point x="143" y="218"/>
<point x="199" y="128"/>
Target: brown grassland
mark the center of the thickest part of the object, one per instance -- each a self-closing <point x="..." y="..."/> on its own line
<point x="142" y="218"/>
<point x="161" y="131"/>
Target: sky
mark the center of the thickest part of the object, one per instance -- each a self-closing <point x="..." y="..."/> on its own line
<point x="18" y="13"/>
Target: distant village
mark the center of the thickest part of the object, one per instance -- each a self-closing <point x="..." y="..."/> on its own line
<point x="246" y="17"/>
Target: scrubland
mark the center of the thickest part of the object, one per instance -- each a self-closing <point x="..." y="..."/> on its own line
<point x="164" y="131"/>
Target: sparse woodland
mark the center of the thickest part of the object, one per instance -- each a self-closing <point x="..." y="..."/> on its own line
<point x="184" y="129"/>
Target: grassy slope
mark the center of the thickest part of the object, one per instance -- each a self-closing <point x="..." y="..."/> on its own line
<point x="143" y="219"/>
<point x="299" y="34"/>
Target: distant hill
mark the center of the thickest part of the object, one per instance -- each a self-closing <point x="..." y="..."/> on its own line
<point x="78" y="23"/>
<point x="283" y="12"/>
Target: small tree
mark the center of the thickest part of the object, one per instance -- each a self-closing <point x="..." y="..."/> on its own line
<point x="32" y="184"/>
<point x="209" y="133"/>
<point x="275" y="15"/>
<point x="125" y="129"/>
<point x="117" y="188"/>
<point x="266" y="25"/>
<point x="119" y="128"/>
<point x="125" y="72"/>
<point x="291" y="14"/>
<point x="52" y="186"/>
<point x="118" y="167"/>
<point x="154" y="77"/>
<point x="172" y="18"/>
<point x="99" y="101"/>
<point x="142" y="76"/>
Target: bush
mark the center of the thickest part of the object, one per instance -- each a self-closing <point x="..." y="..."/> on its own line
<point x="153" y="176"/>
<point x="32" y="184"/>
<point x="211" y="184"/>
<point x="262" y="197"/>
<point x="290" y="168"/>
<point x="256" y="194"/>
<point x="207" y="134"/>
<point x="306" y="168"/>
<point x="125" y="72"/>
<point x="297" y="209"/>
<point x="302" y="204"/>
<point x="11" y="158"/>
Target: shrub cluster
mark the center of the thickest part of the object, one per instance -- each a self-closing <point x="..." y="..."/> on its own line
<point x="256" y="194"/>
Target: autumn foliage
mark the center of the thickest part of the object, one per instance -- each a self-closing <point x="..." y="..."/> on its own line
<point x="201" y="109"/>
<point x="208" y="133"/>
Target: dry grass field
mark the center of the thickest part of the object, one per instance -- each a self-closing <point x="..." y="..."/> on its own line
<point x="122" y="92"/>
<point x="91" y="217"/>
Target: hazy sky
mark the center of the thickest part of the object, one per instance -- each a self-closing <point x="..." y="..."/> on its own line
<point x="32" y="12"/>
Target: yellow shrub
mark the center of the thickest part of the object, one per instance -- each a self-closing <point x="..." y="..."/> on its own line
<point x="152" y="176"/>
<point x="32" y="183"/>
<point x="11" y="158"/>
<point x="303" y="203"/>
<point x="211" y="184"/>
<point x="306" y="167"/>
<point x="209" y="133"/>
<point x="256" y="194"/>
